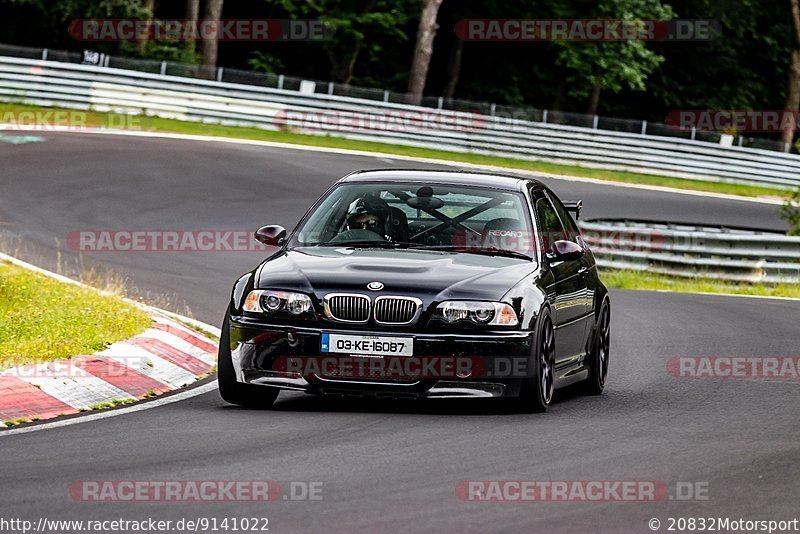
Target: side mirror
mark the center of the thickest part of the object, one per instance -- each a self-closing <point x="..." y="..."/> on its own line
<point x="271" y="235"/>
<point x="565" y="251"/>
<point x="575" y="207"/>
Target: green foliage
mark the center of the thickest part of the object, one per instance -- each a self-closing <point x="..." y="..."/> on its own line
<point x="790" y="212"/>
<point x="162" y="51"/>
<point x="359" y="28"/>
<point x="743" y="68"/>
<point x="355" y="21"/>
<point x="61" y="12"/>
<point x="66" y="10"/>
<point x="263" y="62"/>
<point x="613" y="65"/>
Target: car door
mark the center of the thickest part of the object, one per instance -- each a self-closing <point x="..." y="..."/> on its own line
<point x="567" y="293"/>
<point x="586" y="262"/>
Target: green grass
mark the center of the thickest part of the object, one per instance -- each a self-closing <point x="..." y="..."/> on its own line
<point x="155" y="124"/>
<point x="112" y="404"/>
<point x="621" y="279"/>
<point x="42" y="319"/>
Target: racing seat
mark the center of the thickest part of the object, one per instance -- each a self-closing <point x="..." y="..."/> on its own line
<point x="397" y="225"/>
<point x="502" y="223"/>
<point x="511" y="241"/>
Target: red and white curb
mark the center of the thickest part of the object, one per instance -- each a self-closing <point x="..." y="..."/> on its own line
<point x="165" y="357"/>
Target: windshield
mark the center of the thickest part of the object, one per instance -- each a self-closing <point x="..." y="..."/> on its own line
<point x="436" y="216"/>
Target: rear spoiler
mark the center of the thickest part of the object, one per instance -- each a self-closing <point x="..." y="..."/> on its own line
<point x="575" y="207"/>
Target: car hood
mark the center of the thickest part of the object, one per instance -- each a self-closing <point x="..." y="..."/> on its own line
<point x="429" y="275"/>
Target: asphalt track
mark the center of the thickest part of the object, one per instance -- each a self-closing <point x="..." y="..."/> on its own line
<point x="391" y="466"/>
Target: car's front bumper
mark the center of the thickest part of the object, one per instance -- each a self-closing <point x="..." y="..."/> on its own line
<point x="259" y="353"/>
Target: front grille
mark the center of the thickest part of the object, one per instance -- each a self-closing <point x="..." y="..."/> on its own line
<point x="396" y="310"/>
<point x="347" y="308"/>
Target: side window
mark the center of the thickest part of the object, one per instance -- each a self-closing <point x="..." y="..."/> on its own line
<point x="572" y="232"/>
<point x="550" y="224"/>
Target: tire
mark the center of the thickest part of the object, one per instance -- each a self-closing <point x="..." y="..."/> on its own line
<point x="599" y="357"/>
<point x="537" y="390"/>
<point x="231" y="391"/>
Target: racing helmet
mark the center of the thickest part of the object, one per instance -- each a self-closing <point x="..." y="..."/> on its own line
<point x="366" y="215"/>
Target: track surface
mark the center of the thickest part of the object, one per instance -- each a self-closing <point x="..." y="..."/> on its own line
<point x="394" y="466"/>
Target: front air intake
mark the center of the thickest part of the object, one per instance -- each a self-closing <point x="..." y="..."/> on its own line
<point x="347" y="308"/>
<point x="397" y="310"/>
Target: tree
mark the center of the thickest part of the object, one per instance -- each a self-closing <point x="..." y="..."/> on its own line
<point x="211" y="46"/>
<point x="192" y="16"/>
<point x="612" y="65"/>
<point x="453" y="71"/>
<point x="745" y="66"/>
<point x="192" y="10"/>
<point x="358" y="27"/>
<point x="423" y="51"/>
<point x="793" y="90"/>
<point x="149" y="7"/>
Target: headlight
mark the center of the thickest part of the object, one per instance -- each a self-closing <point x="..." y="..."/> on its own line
<point x="488" y="313"/>
<point x="267" y="301"/>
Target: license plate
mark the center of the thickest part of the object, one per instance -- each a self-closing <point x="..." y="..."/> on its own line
<point x="377" y="345"/>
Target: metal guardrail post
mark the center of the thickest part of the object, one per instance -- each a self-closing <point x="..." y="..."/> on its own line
<point x="544" y="116"/>
<point x="441" y="102"/>
<point x="492" y="109"/>
<point x="219" y="74"/>
<point x="163" y="68"/>
<point x="595" y="122"/>
<point x="694" y="133"/>
<point x="44" y="54"/>
<point x="386" y="96"/>
<point x="330" y="88"/>
<point x="280" y="81"/>
<point x="644" y="127"/>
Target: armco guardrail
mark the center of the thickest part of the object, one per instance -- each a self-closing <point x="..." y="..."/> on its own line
<point x="684" y="250"/>
<point x="55" y="83"/>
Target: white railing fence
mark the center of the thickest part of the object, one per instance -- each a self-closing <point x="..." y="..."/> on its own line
<point x="689" y="251"/>
<point x="304" y="110"/>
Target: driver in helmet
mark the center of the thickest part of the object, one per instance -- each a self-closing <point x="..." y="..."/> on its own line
<point x="365" y="216"/>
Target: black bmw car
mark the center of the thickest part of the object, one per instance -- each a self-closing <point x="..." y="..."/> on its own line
<point x="421" y="284"/>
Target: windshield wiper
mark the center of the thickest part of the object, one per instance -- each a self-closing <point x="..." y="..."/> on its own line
<point x="362" y="244"/>
<point x="486" y="251"/>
